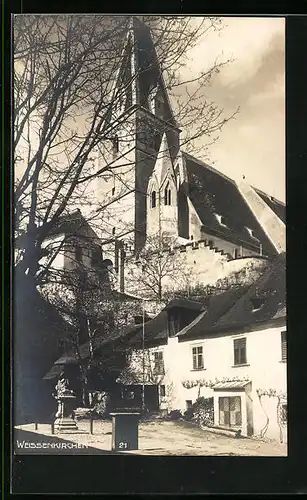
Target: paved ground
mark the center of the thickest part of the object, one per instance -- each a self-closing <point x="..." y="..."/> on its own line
<point x="155" y="438"/>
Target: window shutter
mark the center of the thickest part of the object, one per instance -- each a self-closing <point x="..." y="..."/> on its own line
<point x="284" y="346"/>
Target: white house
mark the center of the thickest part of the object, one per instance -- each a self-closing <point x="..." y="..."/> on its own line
<point x="232" y="349"/>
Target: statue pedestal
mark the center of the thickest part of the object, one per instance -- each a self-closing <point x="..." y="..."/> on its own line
<point x="64" y="416"/>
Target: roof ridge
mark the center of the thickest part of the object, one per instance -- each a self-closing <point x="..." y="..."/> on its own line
<point x="272" y="198"/>
<point x="221" y="174"/>
<point x="209" y="167"/>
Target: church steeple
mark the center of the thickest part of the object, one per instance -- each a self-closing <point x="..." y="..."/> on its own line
<point x="139" y="79"/>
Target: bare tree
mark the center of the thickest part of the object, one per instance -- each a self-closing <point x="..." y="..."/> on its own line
<point x="64" y="103"/>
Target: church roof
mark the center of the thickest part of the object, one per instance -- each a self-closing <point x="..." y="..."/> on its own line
<point x="214" y="194"/>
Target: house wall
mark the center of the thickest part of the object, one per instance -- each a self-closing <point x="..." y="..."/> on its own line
<point x="264" y="369"/>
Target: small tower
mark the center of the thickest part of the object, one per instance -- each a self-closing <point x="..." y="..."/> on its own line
<point x="162" y="206"/>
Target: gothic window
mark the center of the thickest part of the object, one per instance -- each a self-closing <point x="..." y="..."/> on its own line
<point x="167" y="195"/>
<point x="115" y="146"/>
<point x="151" y="98"/>
<point x="153" y="199"/>
<point x="156" y="142"/>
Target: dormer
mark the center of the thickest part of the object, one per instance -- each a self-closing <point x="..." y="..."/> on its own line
<point x="251" y="233"/>
<point x="221" y="220"/>
<point x="257" y="303"/>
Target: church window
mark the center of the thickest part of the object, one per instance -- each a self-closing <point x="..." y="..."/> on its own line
<point x="115" y="145"/>
<point x="151" y="98"/>
<point x="167" y="195"/>
<point x="156" y="142"/>
<point x="153" y="199"/>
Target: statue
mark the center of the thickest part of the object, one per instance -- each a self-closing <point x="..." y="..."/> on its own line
<point x="66" y="404"/>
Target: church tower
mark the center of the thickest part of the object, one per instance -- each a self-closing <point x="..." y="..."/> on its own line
<point x="140" y="117"/>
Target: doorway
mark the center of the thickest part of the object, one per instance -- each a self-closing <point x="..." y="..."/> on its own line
<point x="230" y="411"/>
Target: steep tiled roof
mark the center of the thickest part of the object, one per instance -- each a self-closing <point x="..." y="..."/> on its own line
<point x="72" y="224"/>
<point x="270" y="288"/>
<point x="235" y="308"/>
<point x="156" y="330"/>
<point x="213" y="193"/>
<point x="277" y="206"/>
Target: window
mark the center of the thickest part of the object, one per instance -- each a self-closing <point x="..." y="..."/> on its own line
<point x="156" y="142"/>
<point x="167" y="195"/>
<point x="236" y="253"/>
<point x="158" y="363"/>
<point x="257" y="303"/>
<point x="188" y="404"/>
<point x="113" y="230"/>
<point x="162" y="391"/>
<point x="78" y="253"/>
<point x="96" y="256"/>
<point x="284" y="346"/>
<point x="239" y="351"/>
<point x="113" y="191"/>
<point x="284" y="414"/>
<point x="153" y="199"/>
<point x="115" y="145"/>
<point x="198" y="361"/>
<point x="230" y="413"/>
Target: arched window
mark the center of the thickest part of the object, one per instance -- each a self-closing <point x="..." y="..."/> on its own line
<point x="151" y="98"/>
<point x="167" y="195"/>
<point x="153" y="199"/>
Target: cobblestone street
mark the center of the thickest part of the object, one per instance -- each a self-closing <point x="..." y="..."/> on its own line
<point x="155" y="438"/>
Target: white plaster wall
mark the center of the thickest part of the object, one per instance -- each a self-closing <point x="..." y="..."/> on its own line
<point x="264" y="368"/>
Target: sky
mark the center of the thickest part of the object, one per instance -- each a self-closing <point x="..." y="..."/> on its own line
<point x="252" y="144"/>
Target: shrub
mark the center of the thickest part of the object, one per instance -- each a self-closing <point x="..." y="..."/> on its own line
<point x="202" y="411"/>
<point x="174" y="415"/>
